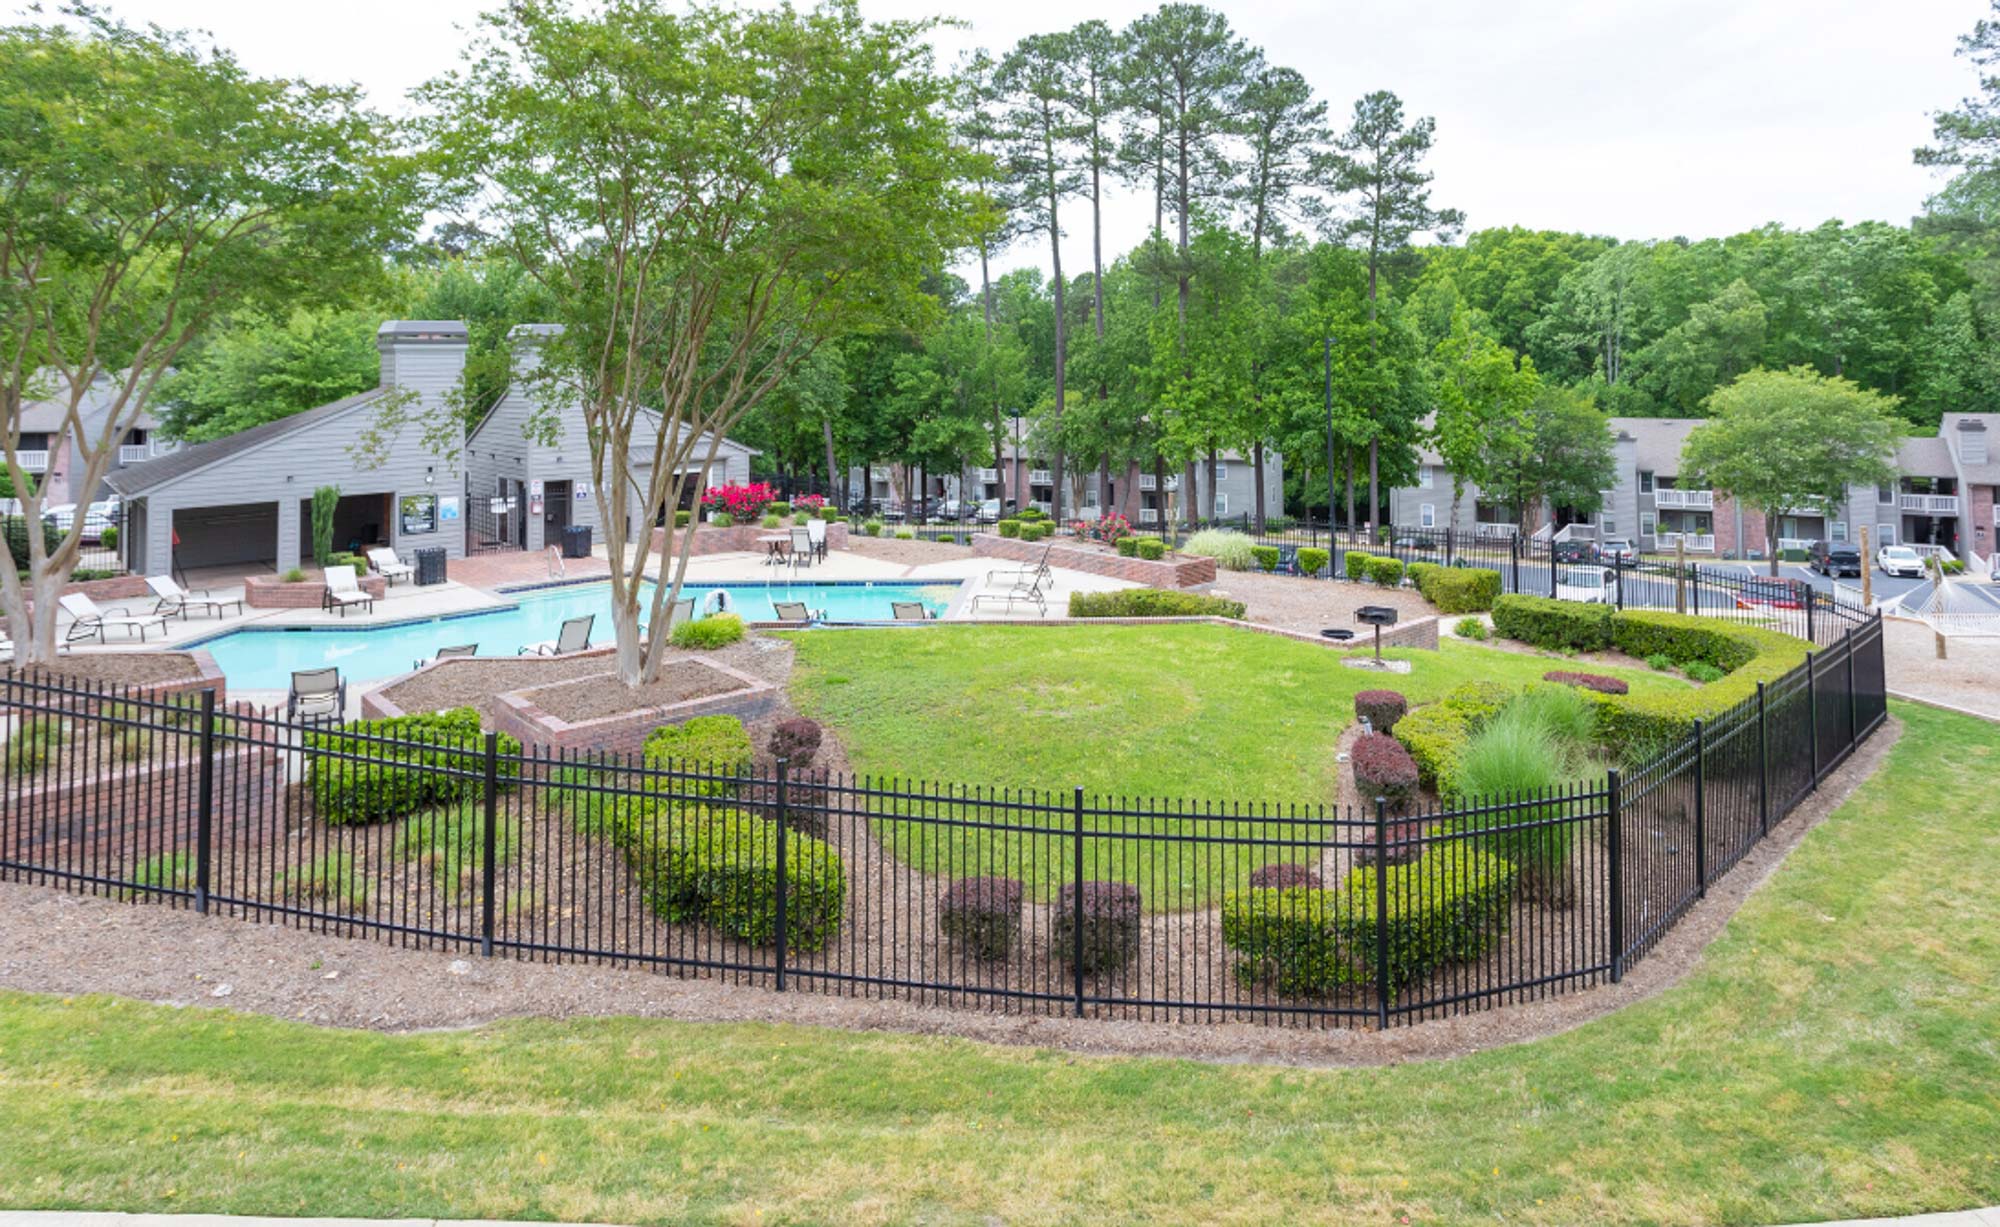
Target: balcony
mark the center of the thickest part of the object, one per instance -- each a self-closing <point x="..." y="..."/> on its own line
<point x="1040" y="477"/>
<point x="1696" y="543"/>
<point x="988" y="476"/>
<point x="1485" y="531"/>
<point x="1929" y="504"/>
<point x="134" y="453"/>
<point x="1148" y="482"/>
<point x="33" y="462"/>
<point x="1696" y="500"/>
<point x="1149" y="515"/>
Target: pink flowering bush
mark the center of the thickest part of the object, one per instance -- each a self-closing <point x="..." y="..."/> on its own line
<point x="741" y="500"/>
<point x="1110" y="529"/>
<point x="809" y="503"/>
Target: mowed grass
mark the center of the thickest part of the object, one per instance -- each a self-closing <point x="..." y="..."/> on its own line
<point x="1835" y="1055"/>
<point x="1241" y="725"/>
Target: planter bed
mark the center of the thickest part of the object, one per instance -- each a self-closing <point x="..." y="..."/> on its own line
<point x="1174" y="571"/>
<point x="270" y="592"/>
<point x="623" y="726"/>
<point x="141" y="674"/>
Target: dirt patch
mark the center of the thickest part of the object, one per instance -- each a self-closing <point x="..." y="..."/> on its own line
<point x="908" y="553"/>
<point x="1311" y="604"/>
<point x="124" y="668"/>
<point x="1963" y="679"/>
<point x="475" y="683"/>
<point x="592" y="698"/>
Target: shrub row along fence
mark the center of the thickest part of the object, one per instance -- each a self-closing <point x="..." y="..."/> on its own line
<point x="430" y="835"/>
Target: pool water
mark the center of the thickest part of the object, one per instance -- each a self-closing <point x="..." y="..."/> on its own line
<point x="266" y="658"/>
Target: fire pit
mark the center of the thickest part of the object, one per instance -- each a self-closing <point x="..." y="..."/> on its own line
<point x="1377" y="616"/>
<point x="1340" y="633"/>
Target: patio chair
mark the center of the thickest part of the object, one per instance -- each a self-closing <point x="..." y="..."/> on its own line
<point x="88" y="621"/>
<point x="1034" y="573"/>
<point x="317" y="696"/>
<point x="171" y="599"/>
<point x="390" y="567"/>
<point x="683" y="611"/>
<point x="343" y="589"/>
<point x="573" y="637"/>
<point x="461" y="651"/>
<point x="909" y="611"/>
<point x="791" y="611"/>
<point x="802" y="546"/>
<point x="1026" y="590"/>
<point x="816" y="533"/>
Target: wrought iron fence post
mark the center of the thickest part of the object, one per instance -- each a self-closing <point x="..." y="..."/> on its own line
<point x="1812" y="713"/>
<point x="784" y="894"/>
<point x="1076" y="904"/>
<point x="1618" y="570"/>
<point x="1615" y="841"/>
<point x="1812" y="602"/>
<point x="1694" y="586"/>
<point x="1853" y="714"/>
<point x="1552" y="565"/>
<point x="1700" y="810"/>
<point x="1381" y="914"/>
<point x="488" y="841"/>
<point x="1763" y="766"/>
<point x="1514" y="556"/>
<point x="1447" y="545"/>
<point x="204" y="836"/>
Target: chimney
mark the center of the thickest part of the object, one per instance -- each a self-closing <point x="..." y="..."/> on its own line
<point x="423" y="356"/>
<point x="1972" y="441"/>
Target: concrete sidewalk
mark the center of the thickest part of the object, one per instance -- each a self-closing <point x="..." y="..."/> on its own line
<point x="1989" y="1217"/>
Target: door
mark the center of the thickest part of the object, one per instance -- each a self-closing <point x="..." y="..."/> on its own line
<point x="555" y="513"/>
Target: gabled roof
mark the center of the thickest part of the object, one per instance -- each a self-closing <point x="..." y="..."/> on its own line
<point x="1923" y="456"/>
<point x="1983" y="474"/>
<point x="194" y="457"/>
<point x="1657" y="442"/>
<point x="46" y="416"/>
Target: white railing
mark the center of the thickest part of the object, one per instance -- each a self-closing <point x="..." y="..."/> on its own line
<point x="1696" y="543"/>
<point x="1577" y="532"/>
<point x="1542" y="533"/>
<point x="1043" y="506"/>
<point x="1148" y="482"/>
<point x="986" y="475"/>
<point x="1701" y="500"/>
<point x="1502" y="531"/>
<point x="1040" y="477"/>
<point x="134" y="453"/>
<point x="1934" y="551"/>
<point x="1795" y="543"/>
<point x="33" y="462"/>
<point x="1929" y="504"/>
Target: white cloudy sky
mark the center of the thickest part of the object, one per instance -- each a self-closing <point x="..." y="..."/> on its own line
<point x="1639" y="118"/>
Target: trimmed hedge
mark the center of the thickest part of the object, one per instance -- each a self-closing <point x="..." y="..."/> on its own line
<point x="1436" y="734"/>
<point x="1127" y="547"/>
<point x="1447" y="906"/>
<point x="1356" y="564"/>
<point x="1313" y="560"/>
<point x="1111" y="922"/>
<point x="1457" y="590"/>
<point x="1381" y="708"/>
<point x="1266" y="556"/>
<point x="1383" y="768"/>
<point x="1746" y="654"/>
<point x="1587" y="681"/>
<point x="697" y="865"/>
<point x="1563" y="626"/>
<point x="1386" y="572"/>
<point x="1152" y="603"/>
<point x="419" y="761"/>
<point x="1035" y="530"/>
<point x="714" y="745"/>
<point x="1152" y="549"/>
<point x="982" y="916"/>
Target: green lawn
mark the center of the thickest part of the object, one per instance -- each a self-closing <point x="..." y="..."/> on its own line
<point x="1149" y="713"/>
<point x="1834" y="1056"/>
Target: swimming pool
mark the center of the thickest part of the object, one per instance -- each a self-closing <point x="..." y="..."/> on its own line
<point x="264" y="658"/>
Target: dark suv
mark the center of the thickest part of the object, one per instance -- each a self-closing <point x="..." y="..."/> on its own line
<point x="1835" y="558"/>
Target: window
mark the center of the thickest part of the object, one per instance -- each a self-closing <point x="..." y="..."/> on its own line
<point x="1427" y="515"/>
<point x="1608" y="524"/>
<point x="1645" y="481"/>
<point x="1888" y="534"/>
<point x="1885" y="494"/>
<point x="1221" y="504"/>
<point x="1840" y="530"/>
<point x="418" y="514"/>
<point x="1221" y="471"/>
<point x="1649" y="526"/>
<point x="1424" y="476"/>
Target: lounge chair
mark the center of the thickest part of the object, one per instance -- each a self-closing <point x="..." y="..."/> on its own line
<point x="1033" y="573"/>
<point x="390" y="567"/>
<point x="573" y="637"/>
<point x="816" y="533"/>
<point x="458" y="652"/>
<point x="1026" y="590"/>
<point x="802" y="546"/>
<point x="171" y="599"/>
<point x="791" y="611"/>
<point x="343" y="589"/>
<point x="909" y="611"/>
<point x="88" y="621"/>
<point x="317" y="696"/>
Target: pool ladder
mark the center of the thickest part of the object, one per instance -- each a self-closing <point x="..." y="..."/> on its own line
<point x="556" y="568"/>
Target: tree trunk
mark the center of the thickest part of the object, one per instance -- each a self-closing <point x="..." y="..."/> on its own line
<point x="1104" y="484"/>
<point x="1771" y="541"/>
<point x="835" y="493"/>
<point x="1352" y="527"/>
<point x="1257" y="474"/>
<point x="1210" y="495"/>
<point x="1374" y="486"/>
<point x="1190" y="511"/>
<point x="1128" y="498"/>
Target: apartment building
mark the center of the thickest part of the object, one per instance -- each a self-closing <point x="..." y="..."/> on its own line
<point x="47" y="447"/>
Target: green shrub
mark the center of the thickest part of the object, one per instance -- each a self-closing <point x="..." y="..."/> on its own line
<point x="1152" y="549"/>
<point x="1436" y="734"/>
<point x="1383" y="768"/>
<point x="1036" y="530"/>
<point x="1152" y="603"/>
<point x="1564" y="712"/>
<point x="16" y="530"/>
<point x="325" y="503"/>
<point x="904" y="534"/>
<point x="1312" y="560"/>
<point x="341" y="558"/>
<point x="773" y="521"/>
<point x="1266" y="556"/>
<point x="780" y="508"/>
<point x="1747" y="654"/>
<point x="1446" y="906"/>
<point x="712" y="745"/>
<point x="1127" y="547"/>
<point x="1381" y="708"/>
<point x="826" y="512"/>
<point x="1356" y="564"/>
<point x="1569" y="626"/>
<point x="1008" y="528"/>
<point x="1030" y="514"/>
<point x="1232" y="551"/>
<point x="108" y="538"/>
<point x="330" y="879"/>
<point x="419" y="761"/>
<point x="1110" y="932"/>
<point x="1684" y="638"/>
<point x="28" y="750"/>
<point x="722" y="519"/>
<point x="1386" y="572"/>
<point x="1660" y="661"/>
<point x="293" y="576"/>
<point x="164" y="873"/>
<point x="707" y="634"/>
<point x="1703" y="672"/>
<point x="696" y="865"/>
<point x="872" y="527"/>
<point x="982" y="916"/>
<point x="1457" y="590"/>
<point x="683" y="518"/>
<point x="1470" y="628"/>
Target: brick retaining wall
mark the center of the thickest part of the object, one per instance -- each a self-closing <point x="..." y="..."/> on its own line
<point x="741" y="538"/>
<point x="269" y="592"/>
<point x="1173" y="571"/>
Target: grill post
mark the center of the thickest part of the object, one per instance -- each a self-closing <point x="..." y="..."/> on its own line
<point x="489" y="838"/>
<point x="1381" y="914"/>
<point x="1700" y="810"/>
<point x="1076" y="903"/>
<point x="1615" y="846"/>
<point x="1763" y="766"/>
<point x="204" y="837"/>
<point x="784" y="894"/>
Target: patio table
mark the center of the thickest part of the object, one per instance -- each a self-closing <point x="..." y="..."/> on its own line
<point x="777" y="545"/>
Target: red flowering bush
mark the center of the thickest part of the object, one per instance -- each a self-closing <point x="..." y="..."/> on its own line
<point x="1381" y="708"/>
<point x="1588" y="681"/>
<point x="1383" y="768"/>
<point x="741" y="500"/>
<point x="1110" y="529"/>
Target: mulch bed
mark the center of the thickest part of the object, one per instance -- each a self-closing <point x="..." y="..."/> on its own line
<point x="126" y="668"/>
<point x="1311" y="604"/>
<point x="475" y="683"/>
<point x="592" y="698"/>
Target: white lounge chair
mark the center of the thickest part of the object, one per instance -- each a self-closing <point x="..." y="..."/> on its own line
<point x="816" y="533"/>
<point x="172" y="599"/>
<point x="316" y="697"/>
<point x="1034" y="573"/>
<point x="802" y="546"/>
<point x="343" y="590"/>
<point x="388" y="566"/>
<point x="460" y="651"/>
<point x="573" y="637"/>
<point x="88" y="621"/>
<point x="1025" y="590"/>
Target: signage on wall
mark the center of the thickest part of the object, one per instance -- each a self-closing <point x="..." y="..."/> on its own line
<point x="448" y="507"/>
<point x="582" y="490"/>
<point x="535" y="503"/>
<point x="535" y="488"/>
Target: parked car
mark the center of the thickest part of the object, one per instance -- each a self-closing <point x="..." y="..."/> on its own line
<point x="1596" y="584"/>
<point x="1768" y="593"/>
<point x="97" y="517"/>
<point x="1835" y="558"/>
<point x="1616" y="549"/>
<point x="1900" y="560"/>
<point x="1572" y="551"/>
<point x="989" y="511"/>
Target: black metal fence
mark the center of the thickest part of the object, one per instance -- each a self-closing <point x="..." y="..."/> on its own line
<point x="99" y="553"/>
<point x="1018" y="900"/>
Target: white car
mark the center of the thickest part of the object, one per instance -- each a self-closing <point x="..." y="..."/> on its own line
<point x="1595" y="584"/>
<point x="97" y="517"/>
<point x="1900" y="560"/>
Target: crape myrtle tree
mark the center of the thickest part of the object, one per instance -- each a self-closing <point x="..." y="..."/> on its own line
<point x="1791" y="440"/>
<point x="151" y="186"/>
<point x="705" y="196"/>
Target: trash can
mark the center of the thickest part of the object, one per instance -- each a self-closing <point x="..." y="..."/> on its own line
<point x="430" y="565"/>
<point x="576" y="541"/>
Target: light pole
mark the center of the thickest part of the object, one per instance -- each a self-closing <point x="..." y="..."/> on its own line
<point x="1329" y="436"/>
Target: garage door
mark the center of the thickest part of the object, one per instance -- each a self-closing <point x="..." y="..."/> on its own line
<point x="226" y="536"/>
